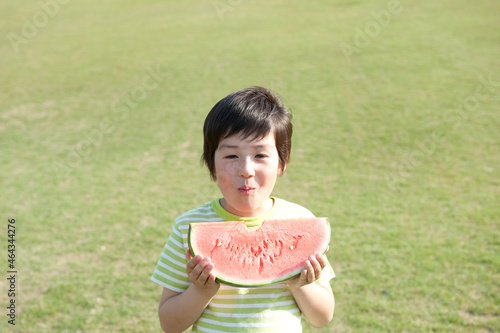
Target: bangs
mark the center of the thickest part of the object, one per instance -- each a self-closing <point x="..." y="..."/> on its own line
<point x="253" y="127"/>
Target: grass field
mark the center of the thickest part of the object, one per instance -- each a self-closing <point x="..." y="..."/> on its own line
<point x="397" y="141"/>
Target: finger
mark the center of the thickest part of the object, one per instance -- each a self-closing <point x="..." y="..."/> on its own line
<point x="322" y="260"/>
<point x="193" y="263"/>
<point x="316" y="267"/>
<point x="204" y="276"/>
<point x="188" y="254"/>
<point x="211" y="279"/>
<point x="303" y="277"/>
<point x="310" y="271"/>
<point x="211" y="276"/>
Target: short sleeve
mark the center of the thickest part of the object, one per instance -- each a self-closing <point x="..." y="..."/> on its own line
<point x="170" y="272"/>
<point x="326" y="274"/>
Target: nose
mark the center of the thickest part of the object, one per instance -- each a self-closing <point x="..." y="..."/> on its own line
<point x="246" y="169"/>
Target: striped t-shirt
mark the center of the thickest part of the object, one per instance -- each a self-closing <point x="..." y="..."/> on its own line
<point x="269" y="308"/>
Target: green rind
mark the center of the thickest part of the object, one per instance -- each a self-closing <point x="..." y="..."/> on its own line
<point x="251" y="285"/>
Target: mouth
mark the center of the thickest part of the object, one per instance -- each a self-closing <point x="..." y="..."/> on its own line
<point x="246" y="190"/>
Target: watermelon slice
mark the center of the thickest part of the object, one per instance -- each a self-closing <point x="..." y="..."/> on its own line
<point x="250" y="257"/>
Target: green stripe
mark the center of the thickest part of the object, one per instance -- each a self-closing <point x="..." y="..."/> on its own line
<point x="172" y="283"/>
<point x="283" y="323"/>
<point x="252" y="291"/>
<point x="235" y="310"/>
<point x="269" y="320"/>
<point x="247" y="300"/>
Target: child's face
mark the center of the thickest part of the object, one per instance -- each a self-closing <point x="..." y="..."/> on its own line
<point x="246" y="172"/>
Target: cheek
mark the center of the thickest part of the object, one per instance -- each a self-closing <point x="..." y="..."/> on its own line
<point x="224" y="182"/>
<point x="224" y="171"/>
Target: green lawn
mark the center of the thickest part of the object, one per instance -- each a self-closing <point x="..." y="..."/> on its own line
<point x="396" y="140"/>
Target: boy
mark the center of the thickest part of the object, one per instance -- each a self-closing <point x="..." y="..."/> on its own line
<point x="247" y="143"/>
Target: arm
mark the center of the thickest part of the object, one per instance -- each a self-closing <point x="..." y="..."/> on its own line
<point x="316" y="301"/>
<point x="178" y="311"/>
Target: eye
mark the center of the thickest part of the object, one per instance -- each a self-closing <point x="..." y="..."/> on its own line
<point x="231" y="156"/>
<point x="261" y="156"/>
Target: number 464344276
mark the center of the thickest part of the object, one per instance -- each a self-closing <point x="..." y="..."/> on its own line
<point x="11" y="239"/>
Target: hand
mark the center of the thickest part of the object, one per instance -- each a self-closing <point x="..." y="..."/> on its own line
<point x="200" y="273"/>
<point x="312" y="271"/>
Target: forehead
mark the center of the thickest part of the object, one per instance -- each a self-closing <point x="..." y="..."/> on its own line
<point x="240" y="141"/>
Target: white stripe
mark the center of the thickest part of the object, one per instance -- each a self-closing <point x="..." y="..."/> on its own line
<point x="179" y="254"/>
<point x="172" y="269"/>
<point x="252" y="305"/>
<point x="172" y="278"/>
<point x="208" y="330"/>
<point x="176" y="232"/>
<point x="297" y="329"/>
<point x="161" y="283"/>
<point x="245" y="296"/>
<point x="172" y="260"/>
<point x="175" y="242"/>
<point x="271" y="286"/>
<point x="288" y="322"/>
<point x="252" y="315"/>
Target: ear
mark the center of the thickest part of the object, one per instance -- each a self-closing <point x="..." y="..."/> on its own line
<point x="281" y="169"/>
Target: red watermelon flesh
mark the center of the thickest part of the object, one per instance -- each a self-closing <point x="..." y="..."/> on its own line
<point x="248" y="257"/>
